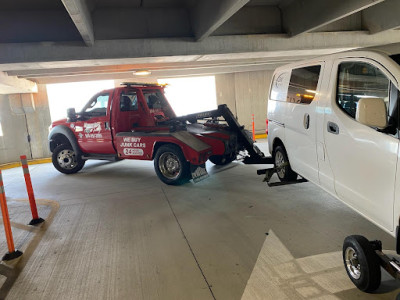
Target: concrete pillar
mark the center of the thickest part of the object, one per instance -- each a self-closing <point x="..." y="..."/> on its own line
<point x="225" y="89"/>
<point x="20" y="117"/>
<point x="245" y="94"/>
<point x="38" y="124"/>
<point x="14" y="141"/>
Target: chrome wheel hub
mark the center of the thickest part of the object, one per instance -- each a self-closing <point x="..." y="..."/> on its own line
<point x="169" y="165"/>
<point x="352" y="263"/>
<point x="67" y="159"/>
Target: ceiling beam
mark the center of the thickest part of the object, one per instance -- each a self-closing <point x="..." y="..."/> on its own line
<point x="381" y="17"/>
<point x="306" y="15"/>
<point x="80" y="15"/>
<point x="110" y="52"/>
<point x="208" y="15"/>
<point x="14" y="85"/>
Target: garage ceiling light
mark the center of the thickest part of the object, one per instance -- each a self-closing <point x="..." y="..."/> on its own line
<point x="142" y="73"/>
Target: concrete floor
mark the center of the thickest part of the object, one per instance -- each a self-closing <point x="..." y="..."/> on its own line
<point x="114" y="231"/>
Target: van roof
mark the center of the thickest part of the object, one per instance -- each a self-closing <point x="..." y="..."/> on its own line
<point x="373" y="52"/>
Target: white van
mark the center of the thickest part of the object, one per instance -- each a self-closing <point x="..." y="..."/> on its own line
<point x="334" y="120"/>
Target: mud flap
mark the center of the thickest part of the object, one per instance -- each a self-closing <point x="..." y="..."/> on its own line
<point x="199" y="172"/>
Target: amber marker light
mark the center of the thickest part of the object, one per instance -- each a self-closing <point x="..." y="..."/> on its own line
<point x="141" y="73"/>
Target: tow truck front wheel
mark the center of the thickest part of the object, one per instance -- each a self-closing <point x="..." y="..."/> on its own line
<point x="66" y="161"/>
<point x="361" y="263"/>
<point x="171" y="166"/>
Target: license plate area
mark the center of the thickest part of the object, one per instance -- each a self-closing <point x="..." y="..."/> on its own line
<point x="199" y="172"/>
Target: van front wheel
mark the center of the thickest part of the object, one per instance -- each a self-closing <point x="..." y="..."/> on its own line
<point x="282" y="165"/>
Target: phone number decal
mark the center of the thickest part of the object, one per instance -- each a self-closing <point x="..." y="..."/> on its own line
<point x="133" y="152"/>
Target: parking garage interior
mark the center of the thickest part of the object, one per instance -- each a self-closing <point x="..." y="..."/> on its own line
<point x="114" y="230"/>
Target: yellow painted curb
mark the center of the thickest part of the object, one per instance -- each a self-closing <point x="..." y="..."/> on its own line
<point x="30" y="162"/>
<point x="261" y="136"/>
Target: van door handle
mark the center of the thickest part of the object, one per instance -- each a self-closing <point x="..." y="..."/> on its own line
<point x="333" y="128"/>
<point x="306" y="121"/>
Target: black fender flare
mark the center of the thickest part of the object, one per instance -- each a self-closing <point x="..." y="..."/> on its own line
<point x="65" y="131"/>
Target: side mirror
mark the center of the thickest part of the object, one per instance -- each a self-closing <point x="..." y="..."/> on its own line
<point x="71" y="115"/>
<point x="372" y="112"/>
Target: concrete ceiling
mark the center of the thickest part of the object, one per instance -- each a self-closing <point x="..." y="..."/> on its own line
<point x="70" y="40"/>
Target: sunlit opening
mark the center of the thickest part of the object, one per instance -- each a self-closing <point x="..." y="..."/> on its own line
<point x="76" y="94"/>
<point x="1" y="130"/>
<point x="191" y="95"/>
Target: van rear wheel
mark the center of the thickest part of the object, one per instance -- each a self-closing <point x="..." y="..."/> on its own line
<point x="282" y="165"/>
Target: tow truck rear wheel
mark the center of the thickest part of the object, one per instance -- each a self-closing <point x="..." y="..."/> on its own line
<point x="282" y="165"/>
<point x="361" y="263"/>
<point x="66" y="161"/>
<point x="222" y="160"/>
<point x="171" y="166"/>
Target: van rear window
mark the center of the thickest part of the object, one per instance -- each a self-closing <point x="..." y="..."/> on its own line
<point x="303" y="85"/>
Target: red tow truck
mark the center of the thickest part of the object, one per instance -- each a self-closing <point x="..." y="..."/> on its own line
<point x="135" y="121"/>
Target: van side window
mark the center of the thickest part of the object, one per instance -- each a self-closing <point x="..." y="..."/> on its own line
<point x="358" y="80"/>
<point x="303" y="85"/>
<point x="279" y="87"/>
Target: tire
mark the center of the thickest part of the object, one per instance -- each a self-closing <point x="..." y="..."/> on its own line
<point x="361" y="263"/>
<point x="222" y="160"/>
<point x="282" y="165"/>
<point x="65" y="160"/>
<point x="171" y="166"/>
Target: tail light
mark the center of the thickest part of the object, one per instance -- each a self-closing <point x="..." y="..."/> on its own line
<point x="266" y="126"/>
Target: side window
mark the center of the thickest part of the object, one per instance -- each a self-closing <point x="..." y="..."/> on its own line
<point x="154" y="99"/>
<point x="97" y="106"/>
<point x="128" y="101"/>
<point x="279" y="86"/>
<point x="303" y="85"/>
<point x="358" y="80"/>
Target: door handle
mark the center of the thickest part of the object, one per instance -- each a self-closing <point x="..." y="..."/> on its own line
<point x="333" y="128"/>
<point x="306" y="121"/>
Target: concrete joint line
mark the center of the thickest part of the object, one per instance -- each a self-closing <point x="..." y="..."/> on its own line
<point x="188" y="243"/>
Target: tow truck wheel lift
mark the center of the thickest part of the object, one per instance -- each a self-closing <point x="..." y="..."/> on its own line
<point x="255" y="155"/>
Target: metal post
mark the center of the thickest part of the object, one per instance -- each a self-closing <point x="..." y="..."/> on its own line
<point x="254" y="131"/>
<point x="32" y="202"/>
<point x="12" y="253"/>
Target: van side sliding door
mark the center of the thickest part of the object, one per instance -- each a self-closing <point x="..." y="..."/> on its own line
<point x="301" y="120"/>
<point x="363" y="159"/>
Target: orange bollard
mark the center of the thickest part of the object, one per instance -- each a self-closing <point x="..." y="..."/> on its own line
<point x="35" y="217"/>
<point x="12" y="253"/>
<point x="254" y="131"/>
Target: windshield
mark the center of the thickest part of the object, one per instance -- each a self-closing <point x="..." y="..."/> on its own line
<point x="97" y="106"/>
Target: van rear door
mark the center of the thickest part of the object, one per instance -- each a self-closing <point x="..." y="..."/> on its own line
<point x="363" y="159"/>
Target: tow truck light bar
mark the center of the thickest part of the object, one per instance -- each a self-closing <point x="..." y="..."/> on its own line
<point x="129" y="84"/>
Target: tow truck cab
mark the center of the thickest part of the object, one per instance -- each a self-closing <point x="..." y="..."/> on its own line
<point x="135" y="121"/>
